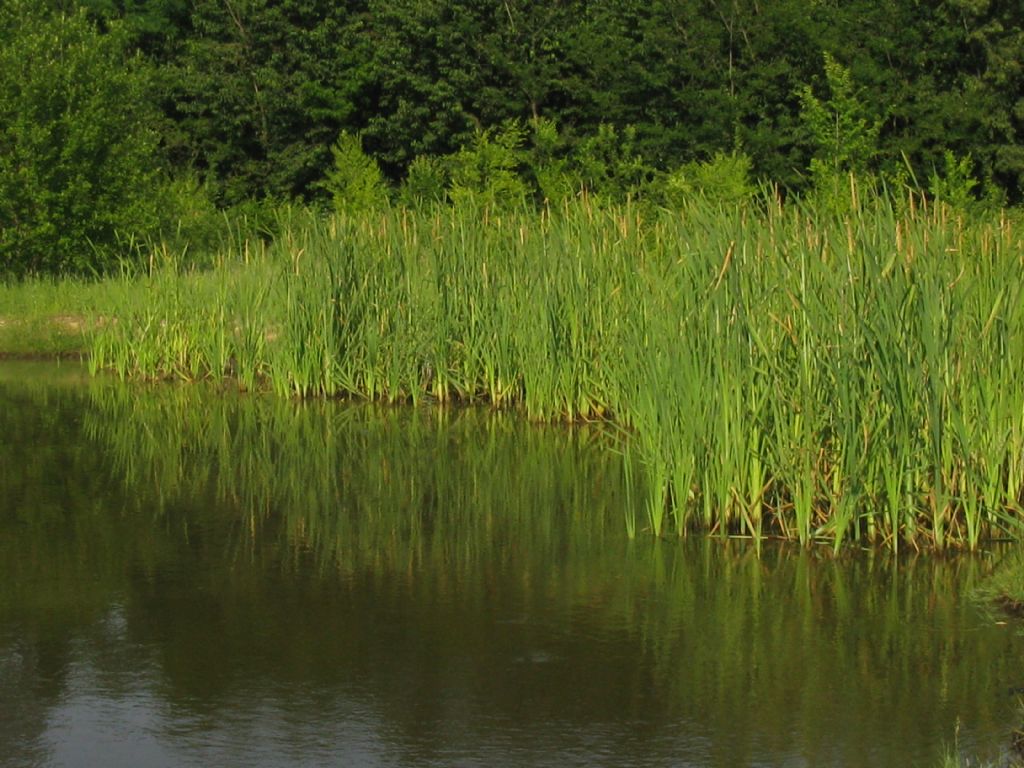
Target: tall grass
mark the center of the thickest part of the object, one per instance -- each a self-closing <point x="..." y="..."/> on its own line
<point x="775" y="370"/>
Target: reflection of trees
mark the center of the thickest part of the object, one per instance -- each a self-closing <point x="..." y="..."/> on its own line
<point x="454" y="573"/>
<point x="59" y="528"/>
<point x="63" y="543"/>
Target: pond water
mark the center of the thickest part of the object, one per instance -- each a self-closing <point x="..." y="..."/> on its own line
<point x="193" y="577"/>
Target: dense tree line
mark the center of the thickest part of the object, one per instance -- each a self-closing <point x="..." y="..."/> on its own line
<point x="246" y="99"/>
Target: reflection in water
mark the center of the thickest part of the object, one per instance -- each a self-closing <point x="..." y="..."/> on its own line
<point x="191" y="577"/>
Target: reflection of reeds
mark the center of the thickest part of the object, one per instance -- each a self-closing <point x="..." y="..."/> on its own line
<point x="453" y="523"/>
<point x="352" y="484"/>
<point x="778" y="371"/>
<point x="778" y="634"/>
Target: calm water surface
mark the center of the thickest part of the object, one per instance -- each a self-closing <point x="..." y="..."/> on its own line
<point x="197" y="578"/>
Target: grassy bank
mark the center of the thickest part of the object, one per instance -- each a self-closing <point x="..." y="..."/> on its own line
<point x="770" y="370"/>
<point x="49" y="318"/>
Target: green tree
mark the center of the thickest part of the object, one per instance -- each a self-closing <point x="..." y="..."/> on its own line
<point x="724" y="179"/>
<point x="955" y="185"/>
<point x="442" y="72"/>
<point x="261" y="89"/>
<point x="767" y="51"/>
<point x="153" y="27"/>
<point x="843" y="133"/>
<point x="525" y="54"/>
<point x="655" y="66"/>
<point x="254" y="92"/>
<point x="422" y="73"/>
<point x="991" y="54"/>
<point x="355" y="183"/>
<point x="905" y="59"/>
<point x="554" y="177"/>
<point x="78" y="166"/>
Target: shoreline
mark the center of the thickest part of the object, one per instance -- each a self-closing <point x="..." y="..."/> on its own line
<point x="47" y="337"/>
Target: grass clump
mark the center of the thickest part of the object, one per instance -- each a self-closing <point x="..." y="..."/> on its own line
<point x="1003" y="589"/>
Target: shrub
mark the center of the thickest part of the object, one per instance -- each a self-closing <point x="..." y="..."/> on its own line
<point x="78" y="153"/>
<point x="956" y="185"/>
<point x="425" y="183"/>
<point x="724" y="179"/>
<point x="356" y="182"/>
<point x="486" y="173"/>
<point x="555" y="180"/>
<point x="610" y="167"/>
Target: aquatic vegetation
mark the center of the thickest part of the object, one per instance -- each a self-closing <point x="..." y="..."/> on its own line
<point x="1001" y="593"/>
<point x="774" y="369"/>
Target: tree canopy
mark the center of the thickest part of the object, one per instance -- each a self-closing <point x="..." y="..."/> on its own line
<point x="250" y="96"/>
<point x="78" y="141"/>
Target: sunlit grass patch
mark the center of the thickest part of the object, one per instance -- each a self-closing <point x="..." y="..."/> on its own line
<point x="46" y="317"/>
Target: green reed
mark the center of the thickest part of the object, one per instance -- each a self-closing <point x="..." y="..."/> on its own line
<point x="776" y="370"/>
